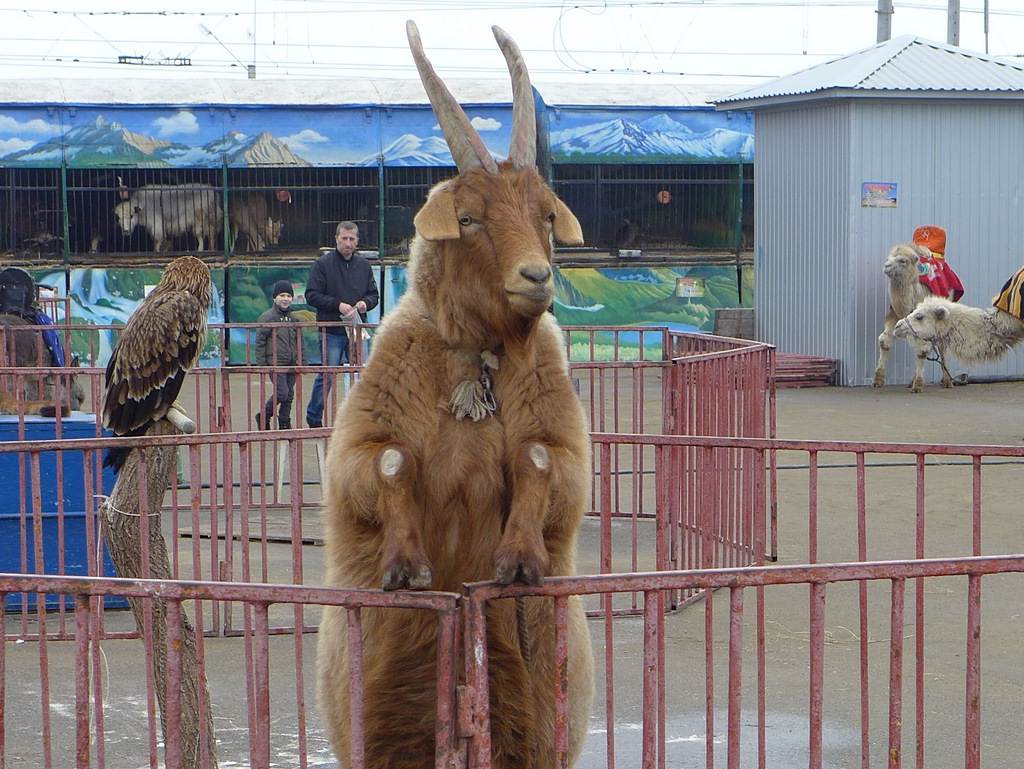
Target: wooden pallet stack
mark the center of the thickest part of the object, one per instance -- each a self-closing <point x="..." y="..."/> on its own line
<point x="793" y="370"/>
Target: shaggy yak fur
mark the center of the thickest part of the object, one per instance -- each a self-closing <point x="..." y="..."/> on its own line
<point x="905" y="292"/>
<point x="426" y="488"/>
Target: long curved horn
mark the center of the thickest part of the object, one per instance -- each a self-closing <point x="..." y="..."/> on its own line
<point x="522" y="149"/>
<point x="468" y="150"/>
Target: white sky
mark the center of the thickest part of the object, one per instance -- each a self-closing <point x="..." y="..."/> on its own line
<point x="644" y="41"/>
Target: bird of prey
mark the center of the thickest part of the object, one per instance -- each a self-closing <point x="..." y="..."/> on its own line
<point x="160" y="343"/>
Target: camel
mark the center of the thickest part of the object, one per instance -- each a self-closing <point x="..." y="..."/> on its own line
<point x="905" y="293"/>
<point x="462" y="454"/>
<point x="973" y="334"/>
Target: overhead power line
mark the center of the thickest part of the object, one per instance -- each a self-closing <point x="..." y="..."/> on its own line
<point x="434" y="48"/>
<point x="359" y="66"/>
<point x="445" y="6"/>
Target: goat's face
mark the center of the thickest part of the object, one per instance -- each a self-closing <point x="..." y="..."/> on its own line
<point x="505" y="218"/>
<point x="902" y="260"/>
<point x="506" y="225"/>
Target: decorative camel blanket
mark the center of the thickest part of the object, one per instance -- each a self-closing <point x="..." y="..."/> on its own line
<point x="1011" y="298"/>
<point x="939" y="277"/>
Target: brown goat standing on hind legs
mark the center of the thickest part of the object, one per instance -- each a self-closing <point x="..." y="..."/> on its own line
<point x="462" y="454"/>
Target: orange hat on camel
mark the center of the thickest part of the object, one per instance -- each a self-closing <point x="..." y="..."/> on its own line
<point x="932" y="237"/>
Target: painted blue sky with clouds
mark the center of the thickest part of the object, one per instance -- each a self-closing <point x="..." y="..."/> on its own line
<point x="204" y="136"/>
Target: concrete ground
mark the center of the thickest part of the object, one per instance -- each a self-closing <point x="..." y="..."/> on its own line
<point x="988" y="414"/>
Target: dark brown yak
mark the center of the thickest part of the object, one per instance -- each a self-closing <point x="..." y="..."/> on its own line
<point x="462" y="454"/>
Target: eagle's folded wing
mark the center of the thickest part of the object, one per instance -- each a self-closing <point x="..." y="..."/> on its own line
<point x="161" y="342"/>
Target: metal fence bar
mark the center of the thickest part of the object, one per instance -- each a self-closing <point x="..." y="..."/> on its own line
<point x="172" y="742"/>
<point x="972" y="694"/>
<point x="357" y="755"/>
<point x="735" y="676"/>
<point x="896" y="675"/>
<point x="82" y="621"/>
<point x="862" y="590"/>
<point x="561" y="671"/>
<point x="651" y="675"/>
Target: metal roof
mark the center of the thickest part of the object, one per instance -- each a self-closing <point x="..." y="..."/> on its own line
<point x="909" y="67"/>
<point x="336" y="93"/>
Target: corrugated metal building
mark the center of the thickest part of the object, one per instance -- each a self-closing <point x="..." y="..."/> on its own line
<point x="946" y="127"/>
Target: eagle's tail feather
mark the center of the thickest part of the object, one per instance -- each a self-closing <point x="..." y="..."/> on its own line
<point x="116" y="456"/>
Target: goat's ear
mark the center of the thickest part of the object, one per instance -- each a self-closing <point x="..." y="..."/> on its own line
<point x="437" y="220"/>
<point x="567" y="228"/>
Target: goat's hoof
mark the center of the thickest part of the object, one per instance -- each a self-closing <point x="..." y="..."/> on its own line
<point x="947" y="383"/>
<point x="525" y="568"/>
<point x="916" y="386"/>
<point x="406" y="573"/>
<point x="879" y="380"/>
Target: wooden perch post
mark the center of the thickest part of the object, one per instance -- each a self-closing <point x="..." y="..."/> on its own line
<point x="122" y="528"/>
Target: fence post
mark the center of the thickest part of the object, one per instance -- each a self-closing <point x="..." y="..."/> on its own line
<point x="65" y="224"/>
<point x="226" y="234"/>
<point x="381" y="232"/>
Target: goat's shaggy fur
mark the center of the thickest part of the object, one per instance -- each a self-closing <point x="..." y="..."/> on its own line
<point x="424" y="492"/>
<point x="973" y="334"/>
<point x="905" y="292"/>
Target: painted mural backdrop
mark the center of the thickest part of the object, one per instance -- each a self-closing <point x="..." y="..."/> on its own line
<point x="109" y="296"/>
<point x="682" y="298"/>
<point x="204" y="137"/>
<point x="651" y="136"/>
<point x="249" y="289"/>
<point x="240" y="137"/>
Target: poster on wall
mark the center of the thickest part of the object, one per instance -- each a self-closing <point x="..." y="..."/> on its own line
<point x="878" y="195"/>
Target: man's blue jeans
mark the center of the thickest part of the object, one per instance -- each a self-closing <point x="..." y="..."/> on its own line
<point x="337" y="353"/>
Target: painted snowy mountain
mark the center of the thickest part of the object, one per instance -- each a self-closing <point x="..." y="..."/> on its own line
<point x="100" y="142"/>
<point x="104" y="142"/>
<point x="658" y="135"/>
<point x="264" y="149"/>
<point x="411" y="150"/>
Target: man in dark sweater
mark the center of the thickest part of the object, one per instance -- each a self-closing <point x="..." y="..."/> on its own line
<point x="278" y="345"/>
<point x="341" y="288"/>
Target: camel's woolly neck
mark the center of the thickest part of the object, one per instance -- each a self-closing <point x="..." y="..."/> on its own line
<point x="976" y="334"/>
<point x="904" y="293"/>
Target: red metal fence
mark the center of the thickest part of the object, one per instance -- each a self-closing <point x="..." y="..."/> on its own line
<point x="718" y="687"/>
<point x="830" y="690"/>
<point x="96" y="697"/>
<point x="244" y="505"/>
<point x="629" y="379"/>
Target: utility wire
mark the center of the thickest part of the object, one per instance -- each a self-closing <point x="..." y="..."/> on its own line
<point x="457" y="48"/>
<point x="327" y="66"/>
<point x="403" y="6"/>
